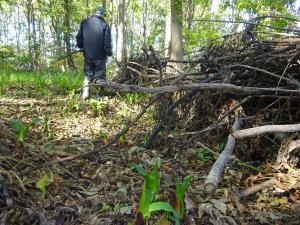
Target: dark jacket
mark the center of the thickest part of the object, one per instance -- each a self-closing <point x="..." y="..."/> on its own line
<point x="94" y="36"/>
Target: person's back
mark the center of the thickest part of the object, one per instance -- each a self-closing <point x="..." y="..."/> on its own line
<point x="95" y="36"/>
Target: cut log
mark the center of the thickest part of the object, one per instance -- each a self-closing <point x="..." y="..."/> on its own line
<point x="212" y="180"/>
<point x="265" y="130"/>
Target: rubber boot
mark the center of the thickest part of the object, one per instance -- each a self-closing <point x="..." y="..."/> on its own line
<point x="86" y="90"/>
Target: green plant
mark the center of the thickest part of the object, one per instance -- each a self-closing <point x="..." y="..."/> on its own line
<point x="132" y="98"/>
<point x="123" y="135"/>
<point x="46" y="125"/>
<point x="99" y="105"/>
<point x="22" y="129"/>
<point x="203" y="155"/>
<point x="104" y="136"/>
<point x="43" y="182"/>
<point x="47" y="94"/>
<point x="73" y="105"/>
<point x="150" y="188"/>
<point x="181" y="189"/>
<point x="177" y="212"/>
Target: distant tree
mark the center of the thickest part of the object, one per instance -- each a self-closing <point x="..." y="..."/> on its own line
<point x="121" y="36"/>
<point x="67" y="33"/>
<point x="176" y="41"/>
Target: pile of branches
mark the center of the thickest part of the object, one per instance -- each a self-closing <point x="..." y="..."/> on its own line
<point x="242" y="75"/>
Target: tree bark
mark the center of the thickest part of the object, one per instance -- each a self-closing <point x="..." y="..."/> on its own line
<point x="121" y="44"/>
<point x="176" y="52"/>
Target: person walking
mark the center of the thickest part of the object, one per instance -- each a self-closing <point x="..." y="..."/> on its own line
<point x="94" y="37"/>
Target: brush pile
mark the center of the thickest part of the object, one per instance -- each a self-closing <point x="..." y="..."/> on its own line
<point x="263" y="71"/>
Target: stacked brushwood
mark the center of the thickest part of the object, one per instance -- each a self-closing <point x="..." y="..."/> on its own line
<point x="240" y="76"/>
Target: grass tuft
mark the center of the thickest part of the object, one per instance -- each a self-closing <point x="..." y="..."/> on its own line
<point x="40" y="81"/>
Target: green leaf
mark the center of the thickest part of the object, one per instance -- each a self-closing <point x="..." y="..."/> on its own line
<point x="122" y="138"/>
<point x="140" y="170"/>
<point x="42" y="184"/>
<point x="17" y="125"/>
<point x="181" y="189"/>
<point x="158" y="206"/>
<point x="150" y="188"/>
<point x="21" y="130"/>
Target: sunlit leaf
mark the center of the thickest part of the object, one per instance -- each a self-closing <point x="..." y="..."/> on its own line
<point x="42" y="183"/>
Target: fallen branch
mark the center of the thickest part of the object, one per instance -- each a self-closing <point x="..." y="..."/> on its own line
<point x="259" y="187"/>
<point x="250" y="132"/>
<point x="80" y="155"/>
<point x="212" y="180"/>
<point x="230" y="88"/>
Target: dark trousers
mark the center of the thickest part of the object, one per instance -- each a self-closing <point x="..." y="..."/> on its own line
<point x="94" y="69"/>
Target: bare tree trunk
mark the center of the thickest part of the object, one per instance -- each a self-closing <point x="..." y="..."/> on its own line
<point x="176" y="44"/>
<point x="28" y="15"/>
<point x="18" y="28"/>
<point x="121" y="43"/>
<point x="176" y="30"/>
<point x="67" y="34"/>
<point x="145" y="14"/>
<point x="168" y="31"/>
<point x="36" y="53"/>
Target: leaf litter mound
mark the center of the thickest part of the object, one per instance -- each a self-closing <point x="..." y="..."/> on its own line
<point x="260" y="184"/>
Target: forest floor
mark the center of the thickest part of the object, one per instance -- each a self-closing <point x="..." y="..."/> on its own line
<point x="101" y="188"/>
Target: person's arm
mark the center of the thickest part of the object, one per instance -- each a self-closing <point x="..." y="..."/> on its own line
<point x="79" y="36"/>
<point x="107" y="41"/>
